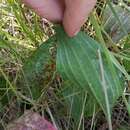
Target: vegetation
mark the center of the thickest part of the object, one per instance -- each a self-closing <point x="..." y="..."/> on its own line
<point x="76" y="83"/>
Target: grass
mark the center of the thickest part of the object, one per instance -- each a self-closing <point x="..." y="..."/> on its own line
<point x="21" y="34"/>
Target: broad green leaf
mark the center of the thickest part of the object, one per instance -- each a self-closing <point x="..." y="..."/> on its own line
<point x="78" y="61"/>
<point x="75" y="95"/>
<point x="34" y="68"/>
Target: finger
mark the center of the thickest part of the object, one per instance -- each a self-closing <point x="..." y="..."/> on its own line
<point x="49" y="9"/>
<point x="75" y="14"/>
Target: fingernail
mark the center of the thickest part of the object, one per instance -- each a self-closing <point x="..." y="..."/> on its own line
<point x="76" y="32"/>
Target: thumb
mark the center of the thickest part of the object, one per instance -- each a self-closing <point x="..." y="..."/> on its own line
<point x="75" y="14"/>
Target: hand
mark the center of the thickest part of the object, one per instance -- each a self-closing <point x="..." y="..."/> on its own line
<point x="72" y="13"/>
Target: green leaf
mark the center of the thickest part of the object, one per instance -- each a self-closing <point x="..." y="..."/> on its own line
<point x="78" y="60"/>
<point x="74" y="96"/>
<point x="34" y="67"/>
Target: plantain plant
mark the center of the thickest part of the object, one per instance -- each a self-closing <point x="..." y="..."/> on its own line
<point x="88" y="71"/>
<point x="93" y="74"/>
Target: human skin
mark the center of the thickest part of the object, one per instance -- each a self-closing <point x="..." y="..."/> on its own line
<point x="71" y="13"/>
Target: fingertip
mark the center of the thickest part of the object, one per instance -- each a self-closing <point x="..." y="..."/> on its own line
<point x="71" y="28"/>
<point x="70" y="32"/>
<point x="76" y="13"/>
